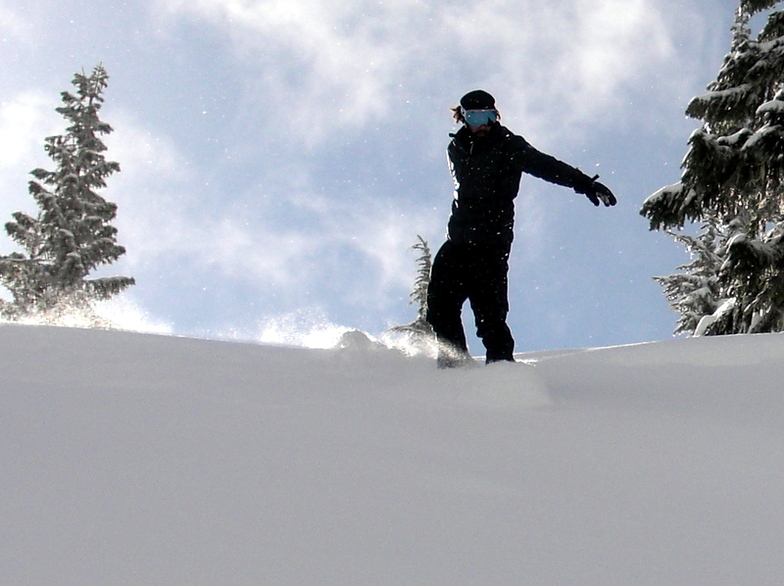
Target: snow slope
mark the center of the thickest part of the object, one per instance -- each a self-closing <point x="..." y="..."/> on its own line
<point x="141" y="459"/>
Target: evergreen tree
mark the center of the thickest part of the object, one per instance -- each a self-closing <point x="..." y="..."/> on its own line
<point x="419" y="329"/>
<point x="696" y="292"/>
<point x="733" y="177"/>
<point x="71" y="234"/>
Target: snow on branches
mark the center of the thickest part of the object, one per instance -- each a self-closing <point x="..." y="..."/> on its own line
<point x="733" y="180"/>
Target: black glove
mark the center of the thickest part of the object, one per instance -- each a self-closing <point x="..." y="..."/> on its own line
<point x="599" y="192"/>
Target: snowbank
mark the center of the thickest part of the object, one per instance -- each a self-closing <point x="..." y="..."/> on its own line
<point x="141" y="459"/>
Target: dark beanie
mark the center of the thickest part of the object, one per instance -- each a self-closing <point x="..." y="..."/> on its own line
<point x="477" y="100"/>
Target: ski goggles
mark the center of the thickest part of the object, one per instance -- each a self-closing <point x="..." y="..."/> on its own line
<point x="479" y="117"/>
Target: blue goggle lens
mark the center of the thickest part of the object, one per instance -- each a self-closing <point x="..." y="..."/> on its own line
<point x="480" y="117"/>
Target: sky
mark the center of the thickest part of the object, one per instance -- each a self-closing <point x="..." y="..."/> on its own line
<point x="280" y="157"/>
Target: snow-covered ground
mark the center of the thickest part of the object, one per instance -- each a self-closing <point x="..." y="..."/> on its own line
<point x="142" y="459"/>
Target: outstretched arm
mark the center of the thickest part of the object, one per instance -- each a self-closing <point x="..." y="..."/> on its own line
<point x="550" y="169"/>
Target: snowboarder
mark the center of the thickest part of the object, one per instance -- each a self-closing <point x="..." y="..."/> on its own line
<point x="487" y="160"/>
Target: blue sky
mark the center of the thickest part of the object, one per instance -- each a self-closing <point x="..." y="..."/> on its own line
<point x="279" y="157"/>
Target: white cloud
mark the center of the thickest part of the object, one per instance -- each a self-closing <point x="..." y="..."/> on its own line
<point x="165" y="212"/>
<point x="313" y="54"/>
<point x="617" y="41"/>
<point x="552" y="61"/>
<point x="562" y="64"/>
<point x="152" y="190"/>
<point x="14" y="28"/>
<point x="24" y="123"/>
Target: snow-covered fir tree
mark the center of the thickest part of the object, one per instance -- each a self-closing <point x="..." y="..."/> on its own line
<point x="71" y="234"/>
<point x="696" y="292"/>
<point x="733" y="178"/>
<point x="419" y="329"/>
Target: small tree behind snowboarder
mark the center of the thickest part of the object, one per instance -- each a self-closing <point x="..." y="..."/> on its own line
<point x="71" y="235"/>
<point x="419" y="329"/>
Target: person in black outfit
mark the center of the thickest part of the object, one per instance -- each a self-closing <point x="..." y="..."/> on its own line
<point x="486" y="161"/>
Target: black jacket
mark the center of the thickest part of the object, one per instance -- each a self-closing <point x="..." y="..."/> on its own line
<point x="486" y="171"/>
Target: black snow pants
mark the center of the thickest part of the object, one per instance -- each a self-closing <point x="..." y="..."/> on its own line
<point x="478" y="274"/>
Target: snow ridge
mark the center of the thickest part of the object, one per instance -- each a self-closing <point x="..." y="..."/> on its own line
<point x="144" y="459"/>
